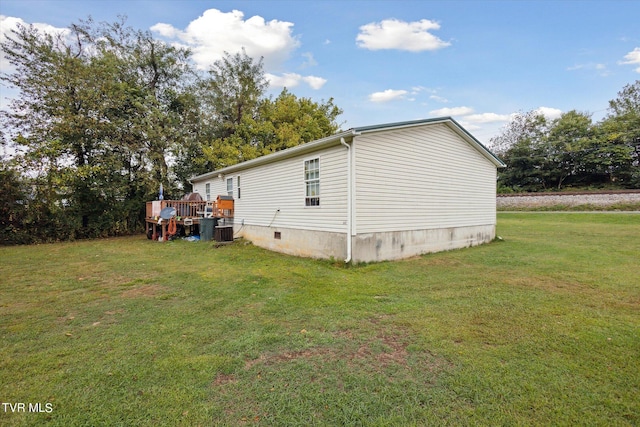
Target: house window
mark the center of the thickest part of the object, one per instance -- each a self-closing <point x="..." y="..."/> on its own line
<point x="238" y="187"/>
<point x="207" y="191"/>
<point x="230" y="187"/>
<point x="312" y="182"/>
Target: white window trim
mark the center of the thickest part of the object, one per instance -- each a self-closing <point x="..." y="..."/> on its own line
<point x="229" y="180"/>
<point x="319" y="195"/>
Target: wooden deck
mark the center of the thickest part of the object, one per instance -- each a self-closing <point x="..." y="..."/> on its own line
<point x="188" y="214"/>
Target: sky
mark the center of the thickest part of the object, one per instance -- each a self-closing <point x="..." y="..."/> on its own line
<point x="389" y="61"/>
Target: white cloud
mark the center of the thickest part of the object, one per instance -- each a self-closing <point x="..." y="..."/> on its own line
<point x="314" y="81"/>
<point x="216" y="32"/>
<point x="396" y="34"/>
<point x="387" y="95"/>
<point x="455" y="111"/>
<point x="469" y="126"/>
<point x="632" y="58"/>
<point x="10" y="23"/>
<point x="293" y="79"/>
<point x="487" y="118"/>
<point x="549" y="112"/>
<point x="310" y="61"/>
<point x="166" y="30"/>
<point x="601" y="69"/>
<point x="439" y="99"/>
<point x="285" y="80"/>
<point x="421" y="89"/>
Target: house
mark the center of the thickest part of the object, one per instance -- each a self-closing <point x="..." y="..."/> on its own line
<point x="370" y="193"/>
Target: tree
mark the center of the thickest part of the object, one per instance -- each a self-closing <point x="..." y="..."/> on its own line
<point x="627" y="102"/>
<point x="96" y="119"/>
<point x="569" y="139"/>
<point x="106" y="113"/>
<point x="57" y="119"/>
<point x="571" y="150"/>
<point x="239" y="123"/>
<point x="620" y="131"/>
<point x="530" y="126"/>
<point x="291" y="121"/>
<point x="13" y="197"/>
<point x="232" y="91"/>
<point x="521" y="145"/>
<point x="156" y="113"/>
<point x="229" y="96"/>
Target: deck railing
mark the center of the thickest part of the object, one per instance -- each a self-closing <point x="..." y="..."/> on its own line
<point x="191" y="209"/>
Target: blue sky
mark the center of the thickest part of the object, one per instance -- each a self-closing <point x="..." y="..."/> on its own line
<point x="387" y="61"/>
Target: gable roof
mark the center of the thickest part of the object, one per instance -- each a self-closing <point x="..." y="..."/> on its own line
<point x="350" y="133"/>
<point x="450" y="122"/>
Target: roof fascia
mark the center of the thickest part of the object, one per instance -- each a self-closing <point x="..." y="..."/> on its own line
<point x="450" y="122"/>
<point x="474" y="142"/>
<point x="399" y="125"/>
<point x="277" y="156"/>
<point x="335" y="139"/>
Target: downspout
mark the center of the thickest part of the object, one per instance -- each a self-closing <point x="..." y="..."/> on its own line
<point x="349" y="200"/>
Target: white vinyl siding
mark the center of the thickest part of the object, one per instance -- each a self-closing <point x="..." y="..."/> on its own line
<point x="421" y="178"/>
<point x="281" y="185"/>
<point x="425" y="177"/>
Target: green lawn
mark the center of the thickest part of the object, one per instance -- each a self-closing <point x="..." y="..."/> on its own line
<point x="542" y="328"/>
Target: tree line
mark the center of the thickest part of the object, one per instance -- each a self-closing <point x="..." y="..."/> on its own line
<point x="572" y="151"/>
<point x="105" y="113"/>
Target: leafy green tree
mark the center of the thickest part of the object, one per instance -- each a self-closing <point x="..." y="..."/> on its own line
<point x="13" y="201"/>
<point x="233" y="90"/>
<point x="569" y="139"/>
<point x="620" y="133"/>
<point x="627" y="102"/>
<point x="572" y="150"/>
<point x="155" y="113"/>
<point x="106" y="114"/>
<point x="290" y="121"/>
<point x="96" y="118"/>
<point x="59" y="125"/>
<point x="220" y="103"/>
<point x="521" y="145"/>
<point x="277" y="124"/>
<point x="239" y="123"/>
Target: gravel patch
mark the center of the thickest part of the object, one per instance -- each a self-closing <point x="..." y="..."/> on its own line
<point x="519" y="201"/>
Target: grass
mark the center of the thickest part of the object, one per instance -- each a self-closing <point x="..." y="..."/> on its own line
<point x="540" y="328"/>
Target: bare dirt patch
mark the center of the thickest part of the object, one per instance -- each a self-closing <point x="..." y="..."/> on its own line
<point x="378" y="353"/>
<point x="397" y="353"/>
<point x="222" y="379"/>
<point x="144" y="291"/>
<point x="276" y="358"/>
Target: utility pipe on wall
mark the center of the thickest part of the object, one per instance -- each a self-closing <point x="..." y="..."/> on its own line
<point x="349" y="201"/>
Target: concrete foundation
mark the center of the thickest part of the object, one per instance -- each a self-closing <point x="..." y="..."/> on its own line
<point x="403" y="244"/>
<point x="305" y="243"/>
<point x="366" y="247"/>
